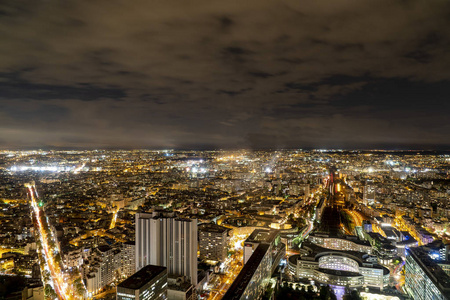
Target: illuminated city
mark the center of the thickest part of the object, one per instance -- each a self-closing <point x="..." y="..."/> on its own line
<point x="343" y="219"/>
<point x="223" y="150"/>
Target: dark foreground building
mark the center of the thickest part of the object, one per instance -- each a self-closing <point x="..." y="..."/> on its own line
<point x="424" y="278"/>
<point x="149" y="283"/>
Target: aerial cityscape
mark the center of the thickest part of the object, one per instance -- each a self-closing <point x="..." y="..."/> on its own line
<point x="222" y="150"/>
<point x="227" y="224"/>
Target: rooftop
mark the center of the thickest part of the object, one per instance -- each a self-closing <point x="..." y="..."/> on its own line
<point x="140" y="278"/>
<point x="262" y="236"/>
<point x="104" y="248"/>
<point x="212" y="227"/>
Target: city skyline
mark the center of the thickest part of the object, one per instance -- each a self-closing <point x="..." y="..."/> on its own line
<point x="211" y="225"/>
<point x="217" y="75"/>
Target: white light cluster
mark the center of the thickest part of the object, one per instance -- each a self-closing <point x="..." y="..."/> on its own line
<point x="44" y="168"/>
<point x="196" y="170"/>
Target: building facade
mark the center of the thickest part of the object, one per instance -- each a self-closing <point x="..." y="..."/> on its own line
<point x="342" y="268"/>
<point x="107" y="264"/>
<point x="336" y="243"/>
<point x="213" y="241"/>
<point x="254" y="277"/>
<point x="425" y="279"/>
<point x="164" y="240"/>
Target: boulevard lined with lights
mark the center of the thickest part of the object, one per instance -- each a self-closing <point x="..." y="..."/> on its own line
<point x="57" y="277"/>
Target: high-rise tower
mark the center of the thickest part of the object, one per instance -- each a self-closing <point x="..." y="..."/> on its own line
<point x="164" y="240"/>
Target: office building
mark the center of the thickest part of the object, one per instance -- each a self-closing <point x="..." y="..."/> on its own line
<point x="263" y="252"/>
<point x="149" y="283"/>
<point x="349" y="243"/>
<point x="336" y="267"/>
<point x="164" y="240"/>
<point x="261" y="236"/>
<point x="424" y="278"/>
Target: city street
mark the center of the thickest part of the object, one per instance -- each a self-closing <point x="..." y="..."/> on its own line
<point x="47" y="239"/>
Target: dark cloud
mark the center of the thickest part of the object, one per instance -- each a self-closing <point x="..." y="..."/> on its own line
<point x="233" y="93"/>
<point x="13" y="87"/>
<point x="261" y="73"/>
<point x="226" y="23"/>
<point x="300" y="86"/>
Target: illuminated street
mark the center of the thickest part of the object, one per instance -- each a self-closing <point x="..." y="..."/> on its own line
<point x="232" y="267"/>
<point x="357" y="217"/>
<point x="59" y="280"/>
<point x="114" y="219"/>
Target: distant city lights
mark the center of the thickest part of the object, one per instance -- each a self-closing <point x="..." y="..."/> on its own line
<point x="51" y="169"/>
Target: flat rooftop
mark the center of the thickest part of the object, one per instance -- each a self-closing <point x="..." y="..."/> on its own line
<point x="141" y="277"/>
<point x="262" y="236"/>
<point x="212" y="227"/>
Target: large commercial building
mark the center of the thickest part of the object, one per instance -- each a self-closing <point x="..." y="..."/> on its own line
<point x="424" y="278"/>
<point x="341" y="268"/>
<point x="347" y="244"/>
<point x="149" y="283"/>
<point x="164" y="240"/>
<point x="213" y="241"/>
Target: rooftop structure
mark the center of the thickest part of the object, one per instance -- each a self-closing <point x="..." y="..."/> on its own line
<point x="148" y="283"/>
<point x="141" y="277"/>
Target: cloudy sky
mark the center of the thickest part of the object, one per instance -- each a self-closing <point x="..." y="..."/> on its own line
<point x="225" y="74"/>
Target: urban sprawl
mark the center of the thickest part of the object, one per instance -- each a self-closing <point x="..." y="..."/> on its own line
<point x="287" y="224"/>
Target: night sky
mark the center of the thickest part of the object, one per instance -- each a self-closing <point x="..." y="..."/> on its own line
<point x="225" y="74"/>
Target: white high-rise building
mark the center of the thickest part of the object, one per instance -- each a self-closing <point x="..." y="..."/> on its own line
<point x="164" y="240"/>
<point x="369" y="193"/>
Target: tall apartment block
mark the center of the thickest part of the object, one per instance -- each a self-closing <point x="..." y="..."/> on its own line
<point x="165" y="240"/>
<point x="213" y="241"/>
